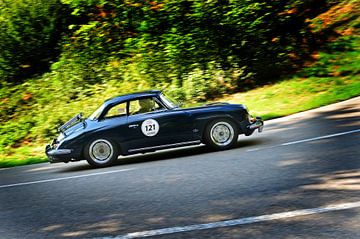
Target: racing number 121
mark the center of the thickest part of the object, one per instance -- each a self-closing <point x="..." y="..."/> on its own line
<point x="150" y="127"/>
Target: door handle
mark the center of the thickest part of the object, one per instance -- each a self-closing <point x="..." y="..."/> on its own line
<point x="133" y="126"/>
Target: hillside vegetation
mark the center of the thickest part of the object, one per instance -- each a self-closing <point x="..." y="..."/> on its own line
<point x="59" y="58"/>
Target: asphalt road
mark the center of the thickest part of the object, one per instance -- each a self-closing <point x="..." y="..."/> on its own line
<point x="306" y="161"/>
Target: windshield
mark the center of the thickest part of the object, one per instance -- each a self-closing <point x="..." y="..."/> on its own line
<point x="167" y="101"/>
<point x="96" y="114"/>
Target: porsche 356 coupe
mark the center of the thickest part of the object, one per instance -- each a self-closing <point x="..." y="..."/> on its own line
<point x="146" y="122"/>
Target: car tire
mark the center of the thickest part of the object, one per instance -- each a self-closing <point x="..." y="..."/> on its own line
<point x="221" y="134"/>
<point x="101" y="153"/>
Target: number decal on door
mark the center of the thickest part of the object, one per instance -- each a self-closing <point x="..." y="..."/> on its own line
<point x="150" y="127"/>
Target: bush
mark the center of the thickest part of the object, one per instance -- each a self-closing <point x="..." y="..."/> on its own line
<point x="29" y="36"/>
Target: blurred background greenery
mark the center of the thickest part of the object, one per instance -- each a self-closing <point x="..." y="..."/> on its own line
<point x="61" y="57"/>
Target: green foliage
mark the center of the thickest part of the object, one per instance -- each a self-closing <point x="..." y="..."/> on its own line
<point x="344" y="51"/>
<point x="30" y="31"/>
<point x="168" y="40"/>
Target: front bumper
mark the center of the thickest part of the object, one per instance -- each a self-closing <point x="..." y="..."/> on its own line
<point x="57" y="155"/>
<point x="256" y="123"/>
<point x="251" y="124"/>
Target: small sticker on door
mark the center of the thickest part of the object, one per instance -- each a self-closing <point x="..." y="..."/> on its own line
<point x="150" y="127"/>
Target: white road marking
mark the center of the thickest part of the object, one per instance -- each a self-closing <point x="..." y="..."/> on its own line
<point x="256" y="149"/>
<point x="322" y="137"/>
<point x="64" y="178"/>
<point x="307" y="140"/>
<point x="240" y="221"/>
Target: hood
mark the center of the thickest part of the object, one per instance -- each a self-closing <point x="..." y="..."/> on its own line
<point x="218" y="105"/>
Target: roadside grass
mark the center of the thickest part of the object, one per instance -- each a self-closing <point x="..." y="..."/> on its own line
<point x="333" y="77"/>
<point x="296" y="95"/>
<point x="30" y="154"/>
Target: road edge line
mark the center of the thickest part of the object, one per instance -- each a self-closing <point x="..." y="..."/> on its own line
<point x="236" y="222"/>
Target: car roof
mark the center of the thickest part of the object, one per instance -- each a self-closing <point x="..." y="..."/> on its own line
<point x="127" y="97"/>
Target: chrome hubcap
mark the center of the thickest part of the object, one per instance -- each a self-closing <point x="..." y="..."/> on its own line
<point x="222" y="133"/>
<point x="101" y="151"/>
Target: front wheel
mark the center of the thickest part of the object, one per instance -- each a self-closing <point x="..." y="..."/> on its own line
<point x="221" y="134"/>
<point x="101" y="153"/>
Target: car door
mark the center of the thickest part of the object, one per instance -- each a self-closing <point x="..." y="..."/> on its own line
<point x="160" y="128"/>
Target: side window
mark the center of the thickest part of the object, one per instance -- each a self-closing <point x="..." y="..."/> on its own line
<point x="116" y="111"/>
<point x="144" y="105"/>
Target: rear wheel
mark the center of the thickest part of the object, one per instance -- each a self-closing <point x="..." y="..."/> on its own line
<point x="221" y="134"/>
<point x="101" y="153"/>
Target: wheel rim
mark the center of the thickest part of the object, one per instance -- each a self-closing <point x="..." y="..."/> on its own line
<point x="222" y="133"/>
<point x="101" y="151"/>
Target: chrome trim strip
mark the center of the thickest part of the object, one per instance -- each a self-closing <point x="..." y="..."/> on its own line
<point x="164" y="146"/>
<point x="55" y="152"/>
<point x="256" y="125"/>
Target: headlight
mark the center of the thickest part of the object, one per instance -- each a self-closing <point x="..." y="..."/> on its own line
<point x="60" y="137"/>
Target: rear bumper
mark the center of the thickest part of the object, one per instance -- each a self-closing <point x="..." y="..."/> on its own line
<point x="58" y="155"/>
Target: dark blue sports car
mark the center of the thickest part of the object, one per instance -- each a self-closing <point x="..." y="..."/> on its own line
<point x="145" y="122"/>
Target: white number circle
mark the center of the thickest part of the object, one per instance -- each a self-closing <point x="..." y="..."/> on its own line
<point x="150" y="127"/>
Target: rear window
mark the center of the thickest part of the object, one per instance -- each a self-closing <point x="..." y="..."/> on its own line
<point x="116" y="111"/>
